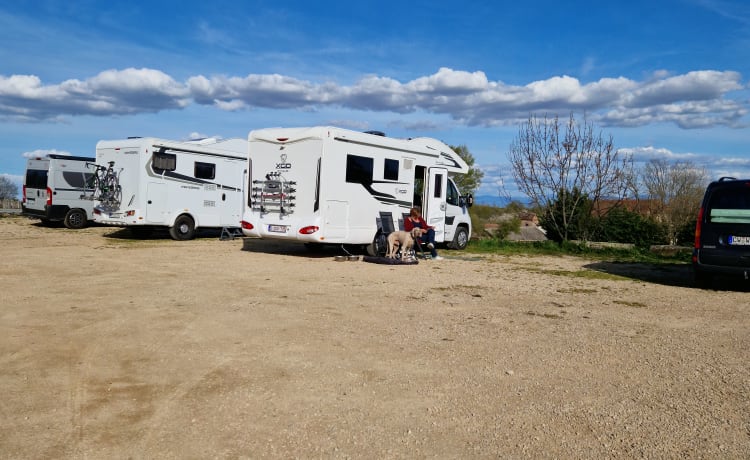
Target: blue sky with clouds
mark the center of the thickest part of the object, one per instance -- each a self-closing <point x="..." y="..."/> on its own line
<point x="667" y="79"/>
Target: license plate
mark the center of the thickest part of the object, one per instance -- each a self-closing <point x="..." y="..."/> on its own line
<point x="739" y="240"/>
<point x="277" y="228"/>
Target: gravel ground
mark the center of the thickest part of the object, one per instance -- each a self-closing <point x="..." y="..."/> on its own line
<point x="120" y="348"/>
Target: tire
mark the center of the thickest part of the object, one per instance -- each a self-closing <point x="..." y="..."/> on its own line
<point x="183" y="228"/>
<point x="460" y="239"/>
<point x="75" y="219"/>
<point x="378" y="247"/>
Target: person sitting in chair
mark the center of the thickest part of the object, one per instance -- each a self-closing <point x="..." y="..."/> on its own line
<point x="415" y="220"/>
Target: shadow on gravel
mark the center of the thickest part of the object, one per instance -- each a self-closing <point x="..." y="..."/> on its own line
<point x="677" y="275"/>
<point x="313" y="251"/>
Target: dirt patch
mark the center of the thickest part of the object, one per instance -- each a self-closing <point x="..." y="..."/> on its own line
<point x="116" y="348"/>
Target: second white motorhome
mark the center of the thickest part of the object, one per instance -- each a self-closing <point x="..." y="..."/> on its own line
<point x="326" y="185"/>
<point x="180" y="185"/>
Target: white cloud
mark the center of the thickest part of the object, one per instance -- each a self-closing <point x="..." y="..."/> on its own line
<point x="696" y="99"/>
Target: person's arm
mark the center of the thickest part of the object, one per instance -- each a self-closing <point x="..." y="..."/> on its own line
<point x="425" y="227"/>
<point x="408" y="224"/>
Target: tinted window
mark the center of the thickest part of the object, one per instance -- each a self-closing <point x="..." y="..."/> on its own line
<point x="204" y="170"/>
<point x="36" y="178"/>
<point x="77" y="179"/>
<point x="164" y="162"/>
<point x="452" y="194"/>
<point x="359" y="169"/>
<point x="438" y="192"/>
<point x="390" y="170"/>
<point x="730" y="205"/>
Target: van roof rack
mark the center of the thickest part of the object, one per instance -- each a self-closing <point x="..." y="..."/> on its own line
<point x="722" y="179"/>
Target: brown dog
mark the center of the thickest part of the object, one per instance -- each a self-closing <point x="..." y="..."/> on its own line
<point x="403" y="240"/>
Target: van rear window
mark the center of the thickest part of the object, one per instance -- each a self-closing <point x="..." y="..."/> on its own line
<point x="730" y="205"/>
<point x="36" y="178"/>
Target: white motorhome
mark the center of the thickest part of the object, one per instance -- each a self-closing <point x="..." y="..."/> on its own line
<point x="326" y="185"/>
<point x="180" y="185"/>
<point x="58" y="188"/>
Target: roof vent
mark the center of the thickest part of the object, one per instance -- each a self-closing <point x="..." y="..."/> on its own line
<point x="376" y="133"/>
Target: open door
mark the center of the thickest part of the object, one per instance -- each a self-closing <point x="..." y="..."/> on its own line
<point x="434" y="209"/>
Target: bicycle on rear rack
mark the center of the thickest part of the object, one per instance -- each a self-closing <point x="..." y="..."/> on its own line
<point x="105" y="185"/>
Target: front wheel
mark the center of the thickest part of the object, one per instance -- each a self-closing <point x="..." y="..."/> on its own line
<point x="460" y="239"/>
<point x="183" y="228"/>
<point x="75" y="219"/>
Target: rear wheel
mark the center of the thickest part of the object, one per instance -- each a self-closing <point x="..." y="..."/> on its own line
<point x="183" y="228"/>
<point x="75" y="219"/>
<point x="460" y="239"/>
<point x="378" y="247"/>
<point x="702" y="280"/>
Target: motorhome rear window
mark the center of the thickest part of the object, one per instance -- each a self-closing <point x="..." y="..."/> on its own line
<point x="204" y="170"/>
<point x="359" y="169"/>
<point x="164" y="162"/>
<point x="390" y="169"/>
<point x="36" y="178"/>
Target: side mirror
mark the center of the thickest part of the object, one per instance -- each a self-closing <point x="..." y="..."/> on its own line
<point x="467" y="200"/>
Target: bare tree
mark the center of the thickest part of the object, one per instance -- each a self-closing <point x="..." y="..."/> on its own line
<point x="675" y="190"/>
<point x="562" y="168"/>
<point x="8" y="190"/>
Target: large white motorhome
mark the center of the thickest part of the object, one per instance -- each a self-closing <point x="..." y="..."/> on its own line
<point x="58" y="188"/>
<point x="326" y="185"/>
<point x="180" y="185"/>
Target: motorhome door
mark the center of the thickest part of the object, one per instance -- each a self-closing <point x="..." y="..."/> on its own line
<point x="434" y="212"/>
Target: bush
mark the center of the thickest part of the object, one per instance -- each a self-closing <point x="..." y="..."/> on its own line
<point x="623" y="226"/>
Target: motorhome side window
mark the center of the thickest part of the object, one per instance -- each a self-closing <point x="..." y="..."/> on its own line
<point x="204" y="170"/>
<point x="390" y="169"/>
<point x="164" y="162"/>
<point x="359" y="169"/>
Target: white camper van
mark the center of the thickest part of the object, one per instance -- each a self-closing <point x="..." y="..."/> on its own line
<point x="180" y="185"/>
<point x="58" y="188"/>
<point x="326" y="185"/>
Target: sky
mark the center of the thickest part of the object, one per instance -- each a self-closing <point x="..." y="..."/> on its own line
<point x="667" y="79"/>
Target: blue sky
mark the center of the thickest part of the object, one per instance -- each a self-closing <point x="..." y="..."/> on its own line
<point x="667" y="79"/>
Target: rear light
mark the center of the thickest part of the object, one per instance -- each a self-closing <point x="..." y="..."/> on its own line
<point x="130" y="213"/>
<point x="309" y="230"/>
<point x="97" y="211"/>
<point x="698" y="229"/>
<point x="49" y="196"/>
<point x="24" y="195"/>
<point x="246" y="225"/>
<point x="282" y="139"/>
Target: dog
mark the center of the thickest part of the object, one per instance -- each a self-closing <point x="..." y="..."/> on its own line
<point x="402" y="240"/>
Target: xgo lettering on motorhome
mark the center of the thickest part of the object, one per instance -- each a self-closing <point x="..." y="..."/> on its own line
<point x="326" y="185"/>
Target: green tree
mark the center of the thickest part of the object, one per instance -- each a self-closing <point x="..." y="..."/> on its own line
<point x="8" y="190"/>
<point x="565" y="167"/>
<point x="568" y="217"/>
<point x="469" y="182"/>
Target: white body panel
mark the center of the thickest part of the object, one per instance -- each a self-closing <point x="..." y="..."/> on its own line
<point x="340" y="181"/>
<point x="161" y="180"/>
<point x="56" y="184"/>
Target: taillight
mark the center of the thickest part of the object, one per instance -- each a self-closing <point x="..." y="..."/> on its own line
<point x="49" y="196"/>
<point x="24" y="195"/>
<point x="246" y="225"/>
<point x="698" y="229"/>
<point x="309" y="230"/>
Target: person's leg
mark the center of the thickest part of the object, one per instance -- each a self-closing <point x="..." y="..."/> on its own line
<point x="429" y="238"/>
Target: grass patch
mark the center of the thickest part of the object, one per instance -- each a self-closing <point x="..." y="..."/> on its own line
<point x="550" y="248"/>
<point x="585" y="274"/>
